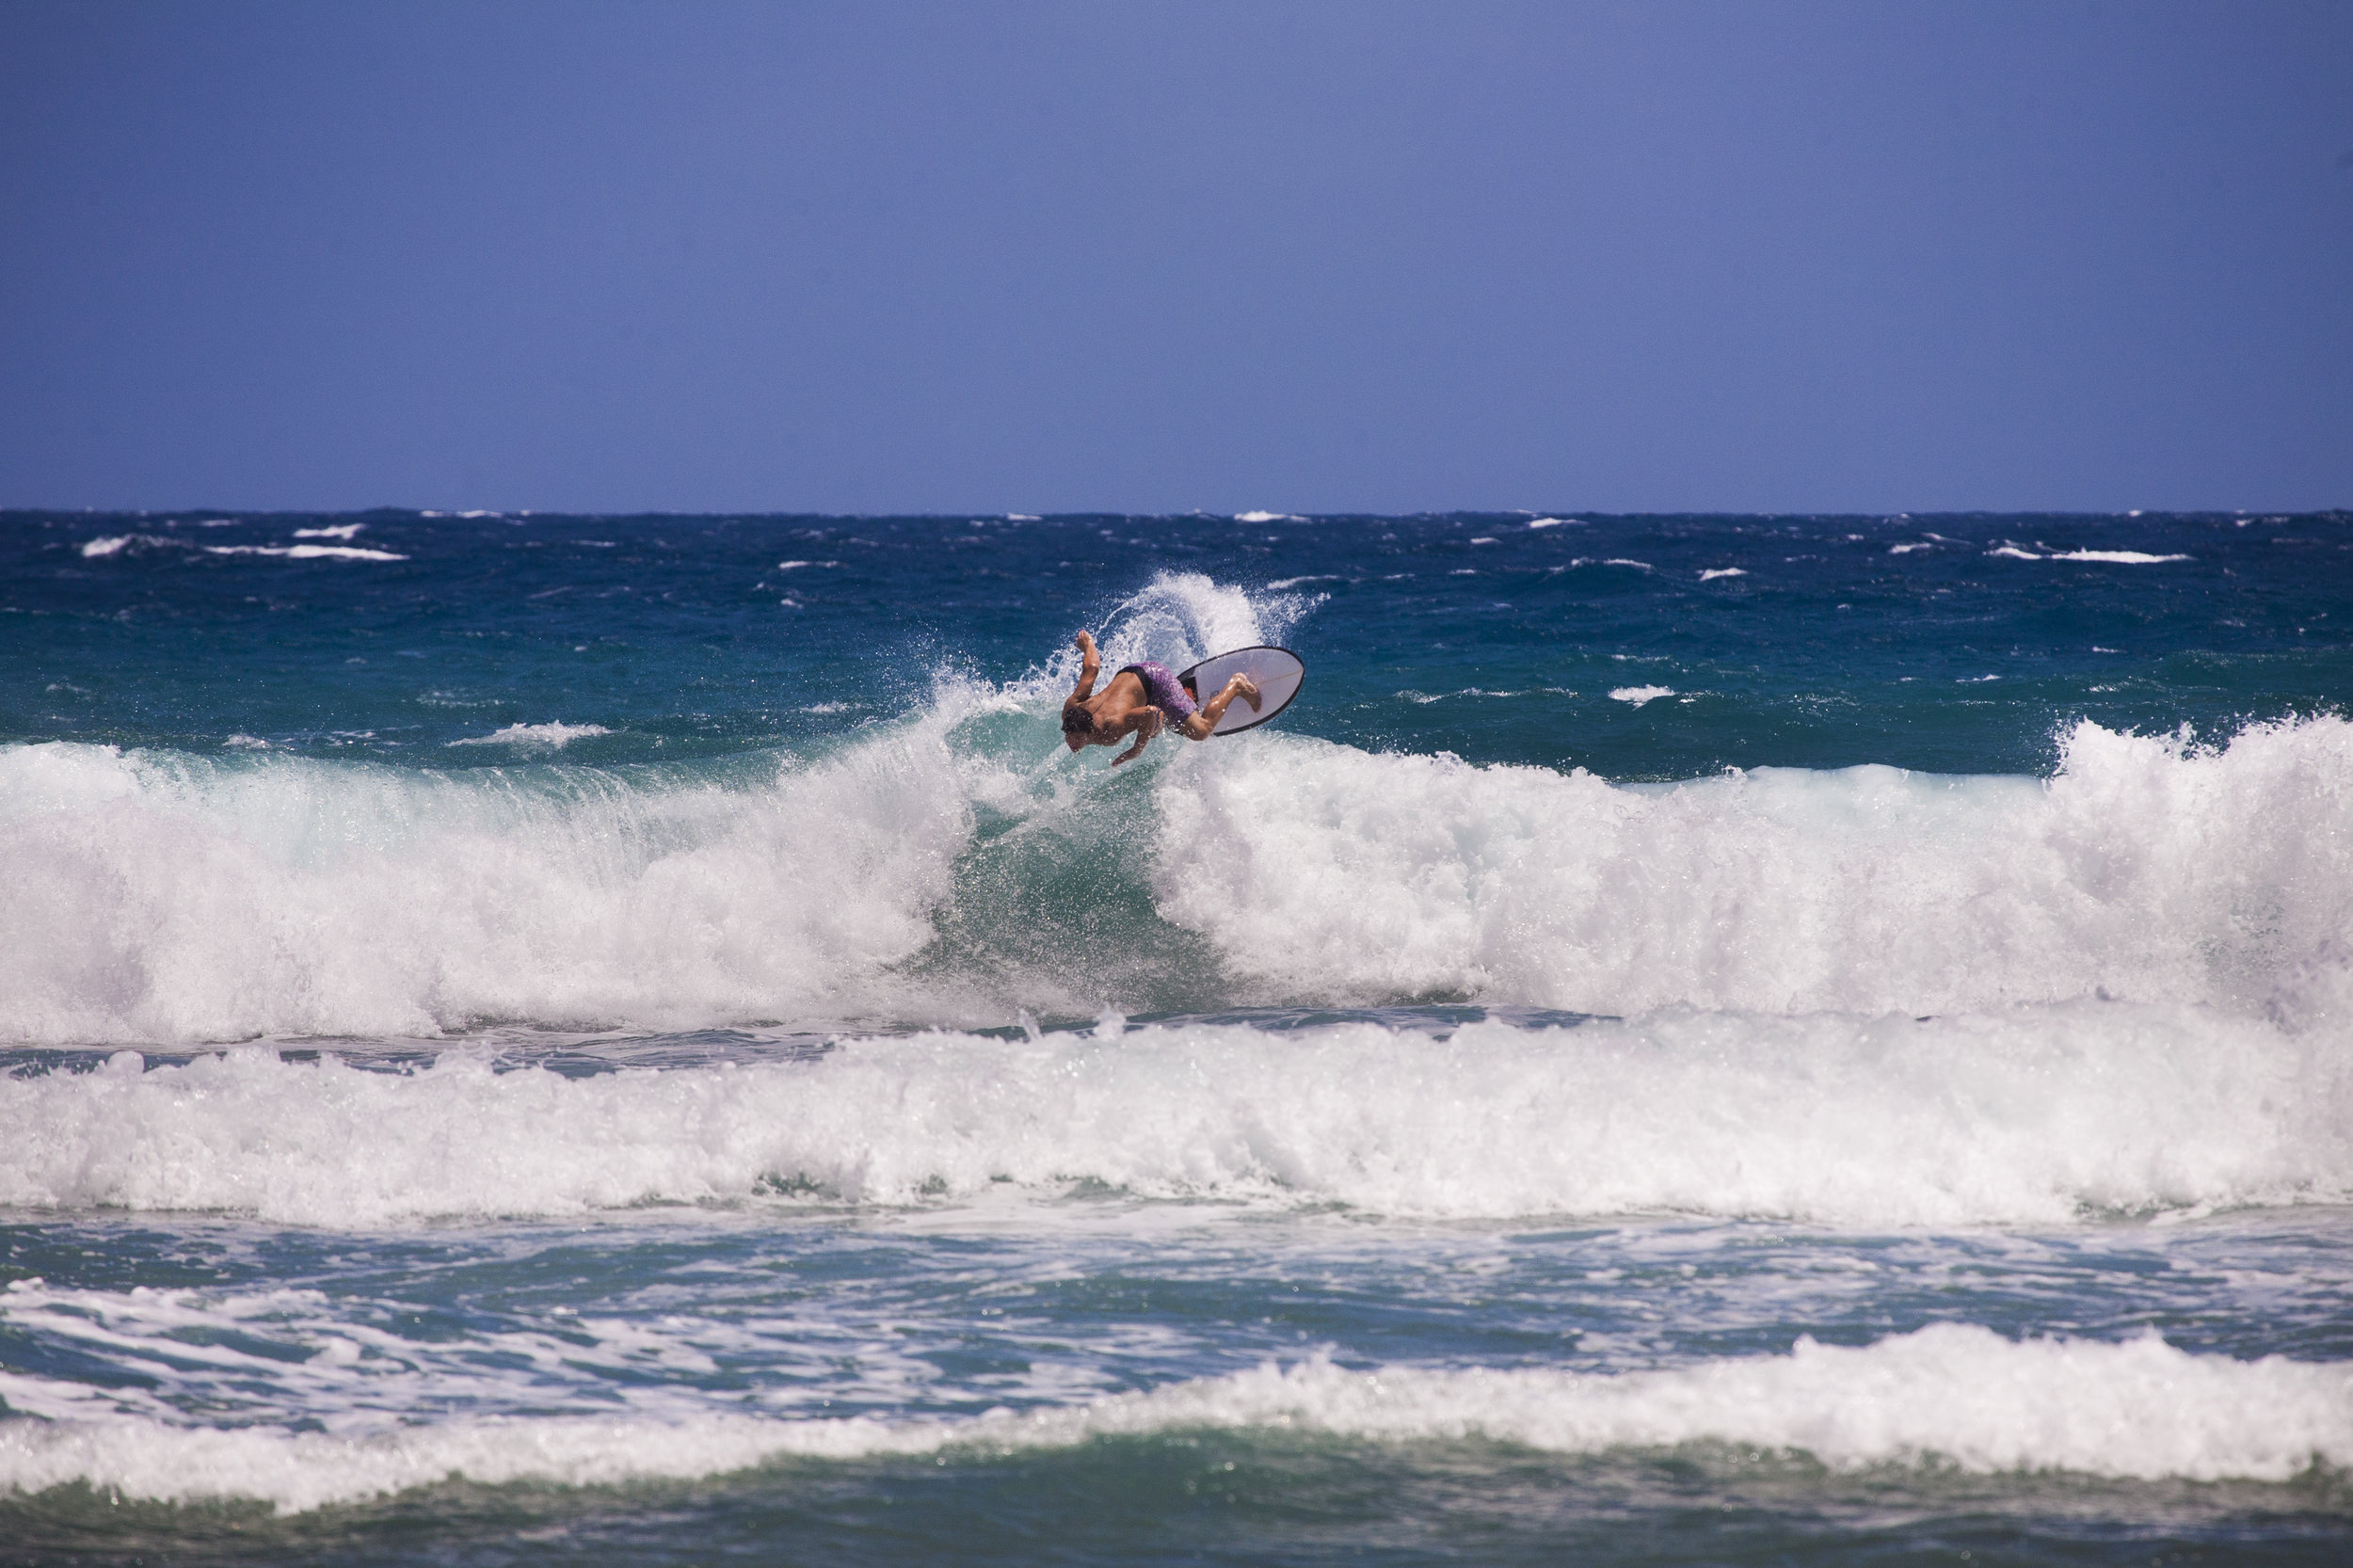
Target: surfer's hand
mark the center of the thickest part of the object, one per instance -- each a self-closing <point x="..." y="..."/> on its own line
<point x="1089" y="664"/>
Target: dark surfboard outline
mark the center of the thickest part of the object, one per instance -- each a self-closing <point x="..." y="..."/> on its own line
<point x="1184" y="678"/>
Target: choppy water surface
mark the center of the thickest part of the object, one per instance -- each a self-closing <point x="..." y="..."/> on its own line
<point x="1819" y="1039"/>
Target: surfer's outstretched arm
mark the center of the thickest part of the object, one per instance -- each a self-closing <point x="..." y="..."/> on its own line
<point x="1090" y="665"/>
<point x="1148" y="721"/>
<point x="1201" y="725"/>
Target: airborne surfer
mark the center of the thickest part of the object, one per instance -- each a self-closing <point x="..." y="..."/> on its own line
<point x="1140" y="699"/>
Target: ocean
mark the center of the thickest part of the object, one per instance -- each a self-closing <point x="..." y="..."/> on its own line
<point x="1697" y="1039"/>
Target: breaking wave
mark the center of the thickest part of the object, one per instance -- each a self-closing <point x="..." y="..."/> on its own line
<point x="1953" y="1395"/>
<point x="2148" y="868"/>
<point x="2037" y="1116"/>
<point x="953" y="866"/>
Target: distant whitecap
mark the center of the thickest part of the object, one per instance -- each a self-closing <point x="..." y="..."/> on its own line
<point x="553" y="736"/>
<point x="2120" y="557"/>
<point x="306" y="552"/>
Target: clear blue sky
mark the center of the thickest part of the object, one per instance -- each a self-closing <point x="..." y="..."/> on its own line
<point x="1361" y="256"/>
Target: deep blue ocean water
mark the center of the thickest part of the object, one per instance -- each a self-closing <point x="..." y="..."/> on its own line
<point x="1812" y="1039"/>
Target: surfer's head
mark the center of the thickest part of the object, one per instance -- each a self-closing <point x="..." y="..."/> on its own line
<point x="1078" y="726"/>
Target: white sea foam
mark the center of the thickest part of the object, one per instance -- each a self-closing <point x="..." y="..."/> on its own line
<point x="155" y="896"/>
<point x="1425" y="698"/>
<point x="1268" y="516"/>
<point x="2039" y="1115"/>
<point x="2115" y="557"/>
<point x="160" y="896"/>
<point x="306" y="552"/>
<point x="344" y="531"/>
<point x="1950" y="1395"/>
<point x="2148" y="868"/>
<point x="1639" y="695"/>
<point x="545" y="737"/>
<point x="2120" y="557"/>
<point x="117" y="544"/>
<point x="1714" y="572"/>
<point x="1554" y="523"/>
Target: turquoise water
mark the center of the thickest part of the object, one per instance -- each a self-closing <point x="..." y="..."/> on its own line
<point x="1813" y="1039"/>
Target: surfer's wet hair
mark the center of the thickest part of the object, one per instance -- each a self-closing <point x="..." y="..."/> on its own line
<point x="1076" y="720"/>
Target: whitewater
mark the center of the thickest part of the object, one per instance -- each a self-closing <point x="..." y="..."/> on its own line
<point x="558" y="1005"/>
<point x="189" y="898"/>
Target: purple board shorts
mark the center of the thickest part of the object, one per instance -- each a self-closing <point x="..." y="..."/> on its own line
<point x="1162" y="690"/>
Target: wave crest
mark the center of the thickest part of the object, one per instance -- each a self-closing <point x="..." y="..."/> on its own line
<point x="1952" y="1393"/>
<point x="2040" y="1116"/>
<point x="2147" y="867"/>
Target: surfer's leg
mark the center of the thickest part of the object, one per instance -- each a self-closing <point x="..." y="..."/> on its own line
<point x="1203" y="723"/>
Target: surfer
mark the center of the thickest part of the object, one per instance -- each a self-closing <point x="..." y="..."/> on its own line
<point x="1140" y="700"/>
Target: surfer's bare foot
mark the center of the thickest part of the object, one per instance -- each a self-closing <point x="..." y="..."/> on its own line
<point x="1249" y="690"/>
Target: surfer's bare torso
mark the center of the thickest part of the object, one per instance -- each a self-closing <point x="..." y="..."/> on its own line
<point x="1139" y="701"/>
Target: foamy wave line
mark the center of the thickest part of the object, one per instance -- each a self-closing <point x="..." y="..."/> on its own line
<point x="2153" y="868"/>
<point x="304" y="552"/>
<point x="2042" y="1116"/>
<point x="158" y="896"/>
<point x="555" y="736"/>
<point x="116" y="543"/>
<point x="1952" y="1393"/>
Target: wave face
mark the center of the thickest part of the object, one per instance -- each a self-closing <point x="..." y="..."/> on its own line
<point x="2042" y="1116"/>
<point x="1956" y="1395"/>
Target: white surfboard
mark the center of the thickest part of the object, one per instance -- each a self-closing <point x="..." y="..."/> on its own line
<point x="1277" y="670"/>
